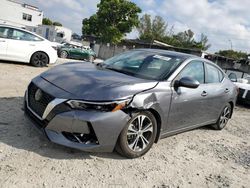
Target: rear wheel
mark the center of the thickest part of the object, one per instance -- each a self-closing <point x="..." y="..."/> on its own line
<point x="138" y="135"/>
<point x="63" y="54"/>
<point x="224" y="117"/>
<point x="39" y="59"/>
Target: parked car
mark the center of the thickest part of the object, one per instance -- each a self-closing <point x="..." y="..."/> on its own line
<point x="20" y="45"/>
<point x="129" y="101"/>
<point x="69" y="50"/>
<point x="243" y="83"/>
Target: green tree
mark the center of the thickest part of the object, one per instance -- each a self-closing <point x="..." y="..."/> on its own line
<point x="186" y="39"/>
<point x="112" y="21"/>
<point x="202" y="43"/>
<point x="152" y="29"/>
<point x="232" y="54"/>
<point x="156" y="29"/>
<point x="47" y="21"/>
<point x="57" y="24"/>
<point x="90" y="26"/>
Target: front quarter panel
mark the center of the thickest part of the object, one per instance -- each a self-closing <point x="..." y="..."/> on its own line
<point x="157" y="99"/>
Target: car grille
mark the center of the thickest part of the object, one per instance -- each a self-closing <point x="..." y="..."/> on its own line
<point x="38" y="123"/>
<point x="39" y="103"/>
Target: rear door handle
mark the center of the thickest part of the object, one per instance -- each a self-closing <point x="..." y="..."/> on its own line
<point x="226" y="90"/>
<point x="2" y="40"/>
<point x="204" y="94"/>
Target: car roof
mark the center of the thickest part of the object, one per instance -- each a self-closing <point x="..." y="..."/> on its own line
<point x="167" y="52"/>
<point x="11" y="26"/>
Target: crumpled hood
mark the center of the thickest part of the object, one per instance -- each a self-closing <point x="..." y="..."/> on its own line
<point x="88" y="82"/>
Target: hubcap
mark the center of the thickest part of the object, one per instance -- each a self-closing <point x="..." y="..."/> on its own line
<point x="40" y="59"/>
<point x="139" y="133"/>
<point x="224" y="117"/>
<point x="64" y="54"/>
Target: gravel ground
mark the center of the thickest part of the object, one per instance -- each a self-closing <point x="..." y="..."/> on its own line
<point x="198" y="158"/>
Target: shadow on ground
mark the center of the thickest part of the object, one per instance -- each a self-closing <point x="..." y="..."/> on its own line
<point x="14" y="63"/>
<point x="17" y="131"/>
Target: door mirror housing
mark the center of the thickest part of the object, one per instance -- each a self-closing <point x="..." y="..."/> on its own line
<point x="232" y="77"/>
<point x="187" y="82"/>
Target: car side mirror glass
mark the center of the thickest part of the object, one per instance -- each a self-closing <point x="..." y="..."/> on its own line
<point x="232" y="77"/>
<point x="187" y="82"/>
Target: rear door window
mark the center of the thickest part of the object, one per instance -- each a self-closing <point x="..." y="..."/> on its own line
<point x="25" y="36"/>
<point x="213" y="74"/>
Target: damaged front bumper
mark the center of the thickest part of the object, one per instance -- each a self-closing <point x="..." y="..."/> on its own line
<point x="91" y="131"/>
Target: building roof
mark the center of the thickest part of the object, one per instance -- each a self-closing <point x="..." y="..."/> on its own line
<point x="28" y="6"/>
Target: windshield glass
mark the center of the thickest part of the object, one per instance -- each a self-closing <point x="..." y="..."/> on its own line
<point x="142" y="64"/>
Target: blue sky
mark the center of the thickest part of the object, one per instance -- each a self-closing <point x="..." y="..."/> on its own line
<point x="220" y="20"/>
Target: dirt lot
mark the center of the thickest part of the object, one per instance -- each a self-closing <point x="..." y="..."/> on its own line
<point x="198" y="158"/>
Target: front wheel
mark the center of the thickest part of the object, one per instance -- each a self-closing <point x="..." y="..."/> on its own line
<point x="39" y="59"/>
<point x="224" y="117"/>
<point x="138" y="135"/>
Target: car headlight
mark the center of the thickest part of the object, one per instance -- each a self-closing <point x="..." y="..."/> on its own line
<point x="100" y="106"/>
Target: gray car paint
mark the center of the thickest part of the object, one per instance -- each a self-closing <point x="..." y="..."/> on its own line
<point x="103" y="123"/>
<point x="92" y="83"/>
<point x="178" y="110"/>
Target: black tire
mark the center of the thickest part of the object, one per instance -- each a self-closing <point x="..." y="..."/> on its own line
<point x="225" y="115"/>
<point x="134" y="145"/>
<point x="39" y="59"/>
<point x="64" y="54"/>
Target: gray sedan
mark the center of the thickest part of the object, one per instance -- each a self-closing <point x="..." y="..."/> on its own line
<point x="130" y="101"/>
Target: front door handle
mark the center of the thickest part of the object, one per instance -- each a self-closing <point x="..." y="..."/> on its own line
<point x="204" y="94"/>
<point x="2" y="40"/>
<point x="226" y="90"/>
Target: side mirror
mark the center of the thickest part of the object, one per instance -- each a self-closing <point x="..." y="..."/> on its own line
<point x="187" y="82"/>
<point x="232" y="77"/>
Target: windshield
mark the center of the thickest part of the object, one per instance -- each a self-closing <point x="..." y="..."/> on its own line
<point x="142" y="64"/>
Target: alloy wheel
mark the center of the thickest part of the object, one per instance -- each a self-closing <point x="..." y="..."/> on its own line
<point x="225" y="115"/>
<point x="64" y="54"/>
<point x="139" y="133"/>
<point x="40" y="59"/>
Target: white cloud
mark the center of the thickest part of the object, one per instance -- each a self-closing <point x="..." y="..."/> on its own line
<point x="219" y="20"/>
<point x="149" y="3"/>
<point x="69" y="12"/>
<point x="132" y="35"/>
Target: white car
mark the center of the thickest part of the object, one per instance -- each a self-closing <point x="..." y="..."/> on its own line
<point x="20" y="45"/>
<point x="244" y="87"/>
<point x="244" y="90"/>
